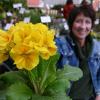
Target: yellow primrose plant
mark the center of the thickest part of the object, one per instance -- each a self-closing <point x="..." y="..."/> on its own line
<point x="34" y="52"/>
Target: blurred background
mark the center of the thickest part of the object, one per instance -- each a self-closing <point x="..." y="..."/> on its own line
<point x="50" y="12"/>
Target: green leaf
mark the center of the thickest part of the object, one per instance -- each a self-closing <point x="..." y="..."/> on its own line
<point x="38" y="97"/>
<point x="2" y="94"/>
<point x="55" y="97"/>
<point x="59" y="85"/>
<point x="11" y="77"/>
<point x="45" y="65"/>
<point x="47" y="71"/>
<point x="61" y="96"/>
<point x="58" y="89"/>
<point x="2" y="90"/>
<point x="69" y="73"/>
<point x="19" y="91"/>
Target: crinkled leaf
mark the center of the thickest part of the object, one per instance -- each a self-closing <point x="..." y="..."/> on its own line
<point x="47" y="71"/>
<point x="61" y="96"/>
<point x="11" y="77"/>
<point x="19" y="91"/>
<point x="69" y="73"/>
<point x="58" y="86"/>
<point x="2" y="90"/>
<point x="2" y="94"/>
<point x="38" y="97"/>
<point x="54" y="97"/>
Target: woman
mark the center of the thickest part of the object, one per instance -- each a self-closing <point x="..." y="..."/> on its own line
<point x="81" y="50"/>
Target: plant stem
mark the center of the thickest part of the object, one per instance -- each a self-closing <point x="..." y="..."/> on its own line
<point x="33" y="82"/>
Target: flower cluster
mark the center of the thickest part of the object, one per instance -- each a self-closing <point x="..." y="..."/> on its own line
<point x="25" y="43"/>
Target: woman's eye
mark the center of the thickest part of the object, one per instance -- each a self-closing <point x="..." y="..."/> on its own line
<point x="88" y="22"/>
<point x="81" y="21"/>
<point x="78" y="21"/>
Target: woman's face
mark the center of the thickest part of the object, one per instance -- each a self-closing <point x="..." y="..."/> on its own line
<point x="81" y="26"/>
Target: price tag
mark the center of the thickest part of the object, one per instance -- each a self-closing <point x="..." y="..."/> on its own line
<point x="9" y="14"/>
<point x="66" y="26"/>
<point x="22" y="10"/>
<point x="17" y="5"/>
<point x="97" y="22"/>
<point x="45" y="19"/>
<point x="8" y="25"/>
<point x="27" y="19"/>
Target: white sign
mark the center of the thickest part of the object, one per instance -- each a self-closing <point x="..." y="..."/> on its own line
<point x="22" y="10"/>
<point x="66" y="26"/>
<point x="17" y="5"/>
<point x="8" y="25"/>
<point x="96" y="21"/>
<point x="27" y="19"/>
<point x="9" y="14"/>
<point x="45" y="19"/>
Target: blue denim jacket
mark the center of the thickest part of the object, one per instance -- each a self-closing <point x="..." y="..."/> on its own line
<point x="69" y="57"/>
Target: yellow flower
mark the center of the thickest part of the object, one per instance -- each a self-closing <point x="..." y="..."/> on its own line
<point x="5" y="45"/>
<point x="21" y="31"/>
<point x="3" y="56"/>
<point x="49" y="44"/>
<point x="24" y="57"/>
<point x="5" y="39"/>
<point x="26" y="42"/>
<point x="36" y="37"/>
<point x="43" y="40"/>
<point x="41" y="28"/>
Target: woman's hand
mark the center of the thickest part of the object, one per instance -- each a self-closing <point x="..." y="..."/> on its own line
<point x="97" y="97"/>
